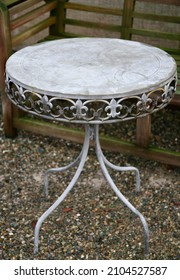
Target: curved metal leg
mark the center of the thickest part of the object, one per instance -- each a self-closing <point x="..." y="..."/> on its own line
<point x="67" y="190"/>
<point x="60" y="169"/>
<point x="124" y="168"/>
<point x="103" y="163"/>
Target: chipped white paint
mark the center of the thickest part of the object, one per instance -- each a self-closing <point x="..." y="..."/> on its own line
<point x="91" y="68"/>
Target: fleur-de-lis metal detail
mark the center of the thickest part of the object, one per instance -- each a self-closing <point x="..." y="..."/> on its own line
<point x="90" y="110"/>
<point x="145" y="103"/>
<point x="44" y="104"/>
<point x="19" y="93"/>
<point x="168" y="93"/>
<point x="80" y="109"/>
<point x="112" y="107"/>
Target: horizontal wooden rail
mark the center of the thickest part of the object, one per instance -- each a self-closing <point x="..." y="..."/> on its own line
<point x="11" y="3"/>
<point x="166" y="2"/>
<point x="165" y="18"/>
<point x="29" y="32"/>
<point x="89" y="24"/>
<point x="66" y="35"/>
<point x="32" y="15"/>
<point x="93" y="9"/>
<point x="22" y="7"/>
<point x="156" y="34"/>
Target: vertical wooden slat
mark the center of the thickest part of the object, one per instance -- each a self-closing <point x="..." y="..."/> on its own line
<point x="143" y="125"/>
<point x="5" y="51"/>
<point x="60" y="14"/>
<point x="127" y="18"/>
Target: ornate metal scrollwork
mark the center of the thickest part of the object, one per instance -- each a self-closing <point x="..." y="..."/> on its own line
<point x="90" y="110"/>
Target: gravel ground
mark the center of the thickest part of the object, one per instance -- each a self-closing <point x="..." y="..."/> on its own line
<point x="91" y="223"/>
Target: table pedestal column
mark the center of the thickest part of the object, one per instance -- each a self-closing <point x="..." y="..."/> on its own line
<point x="104" y="163"/>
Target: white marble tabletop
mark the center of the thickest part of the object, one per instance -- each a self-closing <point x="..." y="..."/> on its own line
<point x="63" y="79"/>
<point x="91" y="68"/>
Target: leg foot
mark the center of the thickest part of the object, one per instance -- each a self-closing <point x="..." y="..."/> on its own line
<point x="124" y="168"/>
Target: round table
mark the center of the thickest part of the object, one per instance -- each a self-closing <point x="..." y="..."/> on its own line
<point x="91" y="81"/>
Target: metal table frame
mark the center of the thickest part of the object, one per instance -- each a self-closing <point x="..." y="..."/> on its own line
<point x="92" y="130"/>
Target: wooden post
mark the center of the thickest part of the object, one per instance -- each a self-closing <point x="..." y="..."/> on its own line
<point x="5" y="51"/>
<point x="143" y="131"/>
<point x="60" y="14"/>
<point x="127" y="19"/>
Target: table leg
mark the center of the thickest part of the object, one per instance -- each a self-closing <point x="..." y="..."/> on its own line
<point x="82" y="157"/>
<point x="103" y="162"/>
